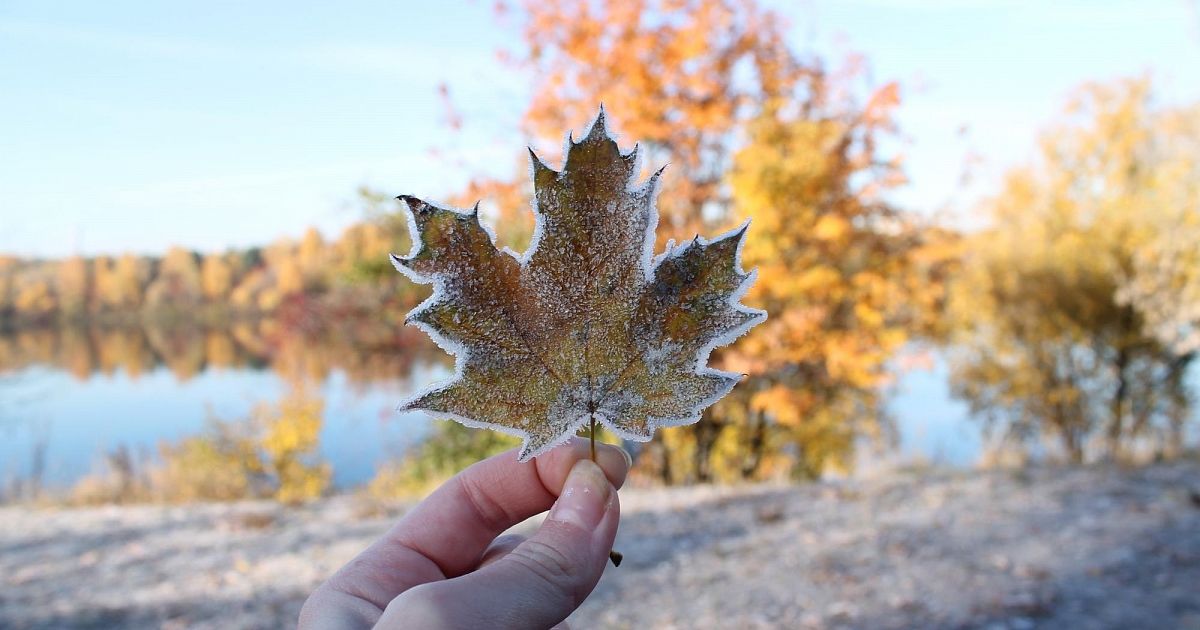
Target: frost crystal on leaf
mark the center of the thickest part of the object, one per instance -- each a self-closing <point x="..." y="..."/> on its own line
<point x="587" y="322"/>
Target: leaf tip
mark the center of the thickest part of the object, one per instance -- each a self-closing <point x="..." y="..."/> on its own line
<point x="599" y="128"/>
<point x="541" y="171"/>
<point x="631" y="159"/>
<point x="418" y="207"/>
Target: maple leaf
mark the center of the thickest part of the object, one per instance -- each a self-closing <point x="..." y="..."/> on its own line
<point x="588" y="325"/>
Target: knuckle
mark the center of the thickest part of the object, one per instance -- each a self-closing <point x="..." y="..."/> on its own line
<point x="558" y="572"/>
<point x="489" y="511"/>
<point x="426" y="605"/>
<point x="501" y="547"/>
<point x="507" y="542"/>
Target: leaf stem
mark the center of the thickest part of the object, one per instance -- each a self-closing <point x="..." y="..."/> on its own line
<point x="614" y="555"/>
<point x="592" y="435"/>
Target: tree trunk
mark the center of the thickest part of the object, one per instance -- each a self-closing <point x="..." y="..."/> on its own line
<point x="1178" y="408"/>
<point x="1073" y="442"/>
<point x="659" y="447"/>
<point x="1116" y="423"/>
<point x="705" y="432"/>
<point x="1069" y="434"/>
<point x="757" y="445"/>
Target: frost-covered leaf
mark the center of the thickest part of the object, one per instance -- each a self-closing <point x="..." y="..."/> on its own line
<point x="588" y="322"/>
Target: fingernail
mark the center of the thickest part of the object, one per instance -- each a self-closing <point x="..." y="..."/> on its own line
<point x="584" y="496"/>
<point x="628" y="458"/>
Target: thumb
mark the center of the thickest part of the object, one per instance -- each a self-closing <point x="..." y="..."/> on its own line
<point x="539" y="583"/>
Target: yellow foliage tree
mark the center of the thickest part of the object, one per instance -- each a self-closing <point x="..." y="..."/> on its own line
<point x="8" y="268"/>
<point x="220" y="465"/>
<point x="840" y="271"/>
<point x="311" y="255"/>
<point x="290" y="438"/>
<point x="1061" y="324"/>
<point x="177" y="283"/>
<point x="216" y="277"/>
<point x="130" y="274"/>
<point x="73" y="285"/>
<point x="272" y="453"/>
<point x="35" y="298"/>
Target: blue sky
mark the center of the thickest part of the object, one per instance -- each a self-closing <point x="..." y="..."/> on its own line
<point x="131" y="126"/>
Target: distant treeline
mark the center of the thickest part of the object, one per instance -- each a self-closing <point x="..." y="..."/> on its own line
<point x="189" y="285"/>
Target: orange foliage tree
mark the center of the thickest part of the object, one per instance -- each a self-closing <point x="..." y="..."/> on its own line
<point x="750" y="129"/>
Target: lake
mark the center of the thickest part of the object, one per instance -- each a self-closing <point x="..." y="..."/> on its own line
<point x="69" y="397"/>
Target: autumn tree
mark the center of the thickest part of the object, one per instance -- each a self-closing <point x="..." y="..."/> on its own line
<point x="102" y="281"/>
<point x="8" y="267"/>
<point x="178" y="281"/>
<point x="73" y="285"/>
<point x="681" y="76"/>
<point x="1164" y="287"/>
<point x="216" y="277"/>
<point x="1076" y="308"/>
<point x="749" y="128"/>
<point x="289" y="441"/>
<point x="360" y="253"/>
<point x="34" y="298"/>
<point x="839" y="268"/>
<point x="130" y="275"/>
<point x="1164" y="281"/>
<point x="311" y="254"/>
<point x="253" y="281"/>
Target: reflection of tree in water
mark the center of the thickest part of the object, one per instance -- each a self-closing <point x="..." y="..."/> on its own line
<point x="366" y="352"/>
<point x="273" y="452"/>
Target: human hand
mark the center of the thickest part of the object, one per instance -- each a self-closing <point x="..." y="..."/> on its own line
<point x="442" y="565"/>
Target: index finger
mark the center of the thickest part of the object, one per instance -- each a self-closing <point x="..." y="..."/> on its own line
<point x="455" y="524"/>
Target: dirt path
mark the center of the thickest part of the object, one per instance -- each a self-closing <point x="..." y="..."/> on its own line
<point x="1052" y="548"/>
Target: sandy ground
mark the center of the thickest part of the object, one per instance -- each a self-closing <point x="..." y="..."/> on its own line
<point x="1043" y="548"/>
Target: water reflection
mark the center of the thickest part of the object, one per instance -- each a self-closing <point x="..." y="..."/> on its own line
<point x="71" y="396"/>
<point x="366" y="354"/>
